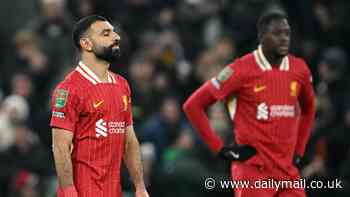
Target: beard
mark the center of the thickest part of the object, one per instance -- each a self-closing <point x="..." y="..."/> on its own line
<point x="108" y="53"/>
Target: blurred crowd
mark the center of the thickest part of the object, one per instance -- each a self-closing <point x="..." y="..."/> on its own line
<point x="169" y="48"/>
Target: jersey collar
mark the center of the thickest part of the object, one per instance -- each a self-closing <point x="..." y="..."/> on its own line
<point x="88" y="74"/>
<point x="264" y="64"/>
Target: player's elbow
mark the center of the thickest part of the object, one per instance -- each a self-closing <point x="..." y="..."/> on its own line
<point x="199" y="100"/>
<point x="187" y="107"/>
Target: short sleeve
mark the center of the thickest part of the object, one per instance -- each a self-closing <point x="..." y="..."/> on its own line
<point x="65" y="108"/>
<point x="129" y="119"/>
<point x="228" y="81"/>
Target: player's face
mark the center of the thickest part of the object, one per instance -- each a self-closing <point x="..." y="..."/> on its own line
<point x="276" y="39"/>
<point x="105" y="41"/>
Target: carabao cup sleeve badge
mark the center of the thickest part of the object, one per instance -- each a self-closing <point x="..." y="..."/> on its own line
<point x="61" y="98"/>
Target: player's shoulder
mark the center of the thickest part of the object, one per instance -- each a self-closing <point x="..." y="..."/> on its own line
<point x="71" y="82"/>
<point x="296" y="60"/>
<point x="298" y="64"/>
<point x="120" y="79"/>
<point x="245" y="59"/>
<point x="245" y="62"/>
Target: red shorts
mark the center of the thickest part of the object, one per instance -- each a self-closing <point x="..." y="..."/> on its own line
<point x="260" y="183"/>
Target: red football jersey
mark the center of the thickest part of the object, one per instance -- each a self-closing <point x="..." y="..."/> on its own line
<point x="97" y="113"/>
<point x="266" y="104"/>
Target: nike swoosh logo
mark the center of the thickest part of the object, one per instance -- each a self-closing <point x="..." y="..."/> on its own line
<point x="259" y="88"/>
<point x="96" y="105"/>
<point x="234" y="155"/>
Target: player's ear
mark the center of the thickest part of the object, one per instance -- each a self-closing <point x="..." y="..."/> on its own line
<point x="86" y="44"/>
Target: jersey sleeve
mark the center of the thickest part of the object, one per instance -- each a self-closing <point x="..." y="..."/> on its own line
<point x="128" y="103"/>
<point x="65" y="107"/>
<point x="228" y="81"/>
<point x="307" y="105"/>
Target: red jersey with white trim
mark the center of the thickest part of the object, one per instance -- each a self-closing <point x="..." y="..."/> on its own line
<point x="97" y="114"/>
<point x="271" y="106"/>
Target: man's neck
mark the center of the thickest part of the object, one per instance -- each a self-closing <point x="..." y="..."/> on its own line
<point x="99" y="67"/>
<point x="272" y="59"/>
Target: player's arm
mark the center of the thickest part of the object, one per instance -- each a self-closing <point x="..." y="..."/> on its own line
<point x="65" y="107"/>
<point x="228" y="81"/>
<point x="195" y="110"/>
<point x="132" y="160"/>
<point x="62" y="146"/>
<point x="307" y="116"/>
<point x="132" y="156"/>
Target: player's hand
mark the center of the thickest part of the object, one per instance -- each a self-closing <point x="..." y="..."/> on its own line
<point x="237" y="152"/>
<point x="141" y="193"/>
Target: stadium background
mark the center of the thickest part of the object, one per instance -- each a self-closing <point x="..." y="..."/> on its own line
<point x="169" y="47"/>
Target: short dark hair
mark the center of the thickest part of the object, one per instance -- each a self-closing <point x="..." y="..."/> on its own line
<point x="82" y="26"/>
<point x="267" y="17"/>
